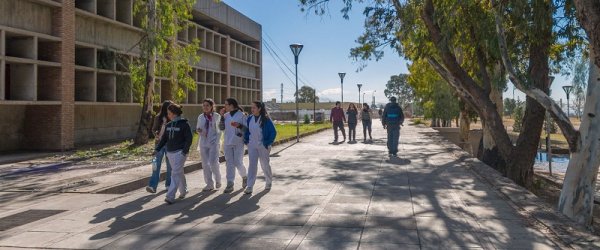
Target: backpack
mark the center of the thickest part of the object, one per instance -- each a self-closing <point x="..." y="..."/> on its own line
<point x="393" y="115"/>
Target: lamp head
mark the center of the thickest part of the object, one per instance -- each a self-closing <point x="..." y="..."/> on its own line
<point x="342" y="74"/>
<point x="296" y="48"/>
<point x="359" y="86"/>
<point x="567" y="89"/>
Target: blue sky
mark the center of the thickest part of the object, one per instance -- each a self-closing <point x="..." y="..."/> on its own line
<point x="327" y="42"/>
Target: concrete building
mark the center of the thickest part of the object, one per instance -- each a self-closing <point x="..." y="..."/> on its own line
<point x="64" y="77"/>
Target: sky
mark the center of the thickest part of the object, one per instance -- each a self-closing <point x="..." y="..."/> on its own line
<point x="327" y="42"/>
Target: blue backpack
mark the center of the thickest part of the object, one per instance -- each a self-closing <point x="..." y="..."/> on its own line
<point x="394" y="116"/>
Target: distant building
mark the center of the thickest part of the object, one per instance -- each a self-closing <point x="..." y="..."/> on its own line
<point x="287" y="111"/>
<point x="64" y="77"/>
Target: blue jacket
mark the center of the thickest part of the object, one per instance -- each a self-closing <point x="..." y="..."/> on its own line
<point x="268" y="131"/>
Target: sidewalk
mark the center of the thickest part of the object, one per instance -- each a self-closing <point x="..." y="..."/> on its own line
<point x="348" y="196"/>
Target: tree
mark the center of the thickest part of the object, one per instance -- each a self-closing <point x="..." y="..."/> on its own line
<point x="580" y="78"/>
<point x="509" y="106"/>
<point x="307" y="95"/>
<point x="162" y="55"/>
<point x="518" y="115"/>
<point x="398" y="86"/>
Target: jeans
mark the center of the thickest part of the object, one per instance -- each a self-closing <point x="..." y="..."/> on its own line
<point x="155" y="178"/>
<point x="367" y="127"/>
<point x="177" y="160"/>
<point x="338" y="125"/>
<point x="393" y="137"/>
<point x="352" y="131"/>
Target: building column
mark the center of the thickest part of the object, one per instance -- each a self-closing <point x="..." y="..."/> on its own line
<point x="228" y="66"/>
<point x="67" y="75"/>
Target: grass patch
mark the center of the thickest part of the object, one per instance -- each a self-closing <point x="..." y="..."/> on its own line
<point x="285" y="131"/>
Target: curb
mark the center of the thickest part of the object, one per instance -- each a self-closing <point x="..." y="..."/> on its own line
<point x="142" y="182"/>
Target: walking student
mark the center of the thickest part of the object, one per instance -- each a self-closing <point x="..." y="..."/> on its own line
<point x="367" y="121"/>
<point x="234" y="124"/>
<point x="209" y="136"/>
<point x="158" y="129"/>
<point x="178" y="140"/>
<point x="338" y="119"/>
<point x="259" y="137"/>
<point x="392" y="118"/>
<point x="352" y="121"/>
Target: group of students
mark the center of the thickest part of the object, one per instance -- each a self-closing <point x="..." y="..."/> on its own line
<point x="338" y="119"/>
<point x="174" y="139"/>
<point x="392" y="118"/>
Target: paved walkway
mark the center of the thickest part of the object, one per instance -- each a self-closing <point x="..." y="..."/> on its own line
<point x="348" y="196"/>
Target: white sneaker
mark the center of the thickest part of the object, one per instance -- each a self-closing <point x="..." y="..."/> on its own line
<point x="268" y="186"/>
<point x="218" y="185"/>
<point x="182" y="195"/>
<point x="208" y="188"/>
<point x="248" y="190"/>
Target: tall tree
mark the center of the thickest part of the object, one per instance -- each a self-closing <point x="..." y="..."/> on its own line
<point x="398" y="86"/>
<point x="162" y="55"/>
<point x="580" y="79"/>
<point x="307" y="95"/>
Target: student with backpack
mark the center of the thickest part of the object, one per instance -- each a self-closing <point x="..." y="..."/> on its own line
<point x="178" y="140"/>
<point x="234" y="124"/>
<point x="259" y="137"/>
<point x="158" y="129"/>
<point x="209" y="136"/>
<point x="365" y="116"/>
<point x="392" y="118"/>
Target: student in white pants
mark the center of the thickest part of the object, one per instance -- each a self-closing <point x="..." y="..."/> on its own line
<point x="259" y="137"/>
<point x="209" y="144"/>
<point x="178" y="139"/>
<point x="233" y="123"/>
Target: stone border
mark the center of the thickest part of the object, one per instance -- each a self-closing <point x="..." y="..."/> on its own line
<point x="142" y="182"/>
<point x="532" y="207"/>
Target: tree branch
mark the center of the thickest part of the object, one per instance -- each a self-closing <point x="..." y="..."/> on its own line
<point x="563" y="121"/>
<point x="452" y="81"/>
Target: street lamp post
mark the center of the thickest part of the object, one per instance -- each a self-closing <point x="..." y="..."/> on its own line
<point x="568" y="89"/>
<point x="363" y="100"/>
<point x="342" y="74"/>
<point x="373" y="96"/>
<point x="296" y="49"/>
<point x="359" y="86"/>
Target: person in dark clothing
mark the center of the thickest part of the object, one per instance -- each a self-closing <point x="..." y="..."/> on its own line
<point x="158" y="129"/>
<point x="392" y="118"/>
<point x="178" y="140"/>
<point x="338" y="119"/>
<point x="352" y="121"/>
<point x="365" y="116"/>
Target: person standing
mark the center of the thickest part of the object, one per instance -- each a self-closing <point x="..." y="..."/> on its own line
<point x="259" y="137"/>
<point x="367" y="120"/>
<point x="338" y="119"/>
<point x="209" y="144"/>
<point x="158" y="129"/>
<point x="233" y="123"/>
<point x="352" y="121"/>
<point x="178" y="139"/>
<point x="392" y="118"/>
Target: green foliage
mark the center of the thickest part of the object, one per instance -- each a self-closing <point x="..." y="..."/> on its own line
<point x="306" y="119"/>
<point x="518" y="114"/>
<point x="417" y="121"/>
<point x="398" y="86"/>
<point x="174" y="59"/>
<point x="509" y="106"/>
<point x="307" y="95"/>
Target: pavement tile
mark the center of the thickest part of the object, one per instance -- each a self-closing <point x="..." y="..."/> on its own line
<point x="333" y="220"/>
<point x="259" y="244"/>
<point x="400" y="223"/>
<point x="32" y="239"/>
<point x="446" y="223"/>
<point x="326" y="245"/>
<point x="346" y="209"/>
<point x="334" y="234"/>
<point x="135" y="241"/>
<point x="384" y="246"/>
<point x="387" y="235"/>
<point x="84" y="241"/>
<point x="272" y="232"/>
<point x="201" y="242"/>
<point x="284" y="219"/>
<point x="447" y="239"/>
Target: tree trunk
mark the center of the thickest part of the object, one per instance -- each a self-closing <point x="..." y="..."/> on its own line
<point x="142" y="135"/>
<point x="579" y="186"/>
<point x="464" y="128"/>
<point x="488" y="151"/>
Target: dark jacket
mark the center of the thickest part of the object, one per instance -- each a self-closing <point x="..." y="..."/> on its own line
<point x="177" y="136"/>
<point x="337" y="115"/>
<point x="268" y="132"/>
<point x="392" y="115"/>
<point x="352" y="116"/>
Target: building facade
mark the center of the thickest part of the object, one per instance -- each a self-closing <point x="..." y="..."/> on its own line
<point x="64" y="77"/>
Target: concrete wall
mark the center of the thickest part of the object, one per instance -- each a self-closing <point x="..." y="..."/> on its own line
<point x="228" y="16"/>
<point x="11" y="126"/>
<point x="26" y="15"/>
<point x="109" y="123"/>
<point x="95" y="31"/>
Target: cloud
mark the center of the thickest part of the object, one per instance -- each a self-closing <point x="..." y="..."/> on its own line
<point x="332" y="91"/>
<point x="269" y="94"/>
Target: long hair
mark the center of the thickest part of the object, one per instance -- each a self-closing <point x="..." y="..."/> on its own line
<point x="211" y="103"/>
<point x="234" y="102"/>
<point x="264" y="116"/>
<point x="163" y="110"/>
<point x="366" y="105"/>
<point x="352" y="106"/>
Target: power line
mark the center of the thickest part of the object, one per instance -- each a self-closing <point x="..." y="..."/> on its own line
<point x="269" y="47"/>
<point x="301" y="77"/>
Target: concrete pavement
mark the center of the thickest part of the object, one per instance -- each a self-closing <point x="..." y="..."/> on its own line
<point x="324" y="196"/>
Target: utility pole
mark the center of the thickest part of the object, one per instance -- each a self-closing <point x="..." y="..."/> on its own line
<point x="281" y="93"/>
<point x="315" y="105"/>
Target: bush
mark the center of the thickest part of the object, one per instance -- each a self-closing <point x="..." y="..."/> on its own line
<point x="417" y="121"/>
<point x="306" y="119"/>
